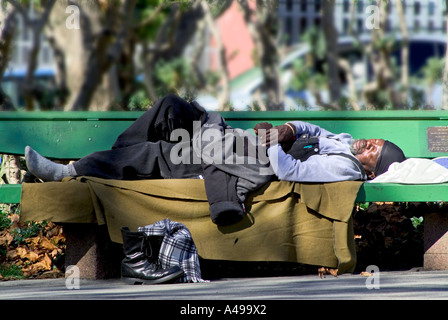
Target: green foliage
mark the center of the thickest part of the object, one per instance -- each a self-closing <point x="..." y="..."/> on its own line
<point x="11" y="271"/>
<point x="416" y="221"/>
<point x="32" y="229"/>
<point x="305" y="77"/>
<point x="144" y="10"/>
<point x="363" y="205"/>
<point x="139" y="101"/>
<point x="5" y="221"/>
<point x="175" y="76"/>
<point x="432" y="71"/>
<point x="26" y="230"/>
<point x="315" y="38"/>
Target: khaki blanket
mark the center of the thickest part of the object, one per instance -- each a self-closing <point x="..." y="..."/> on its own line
<point x="285" y="221"/>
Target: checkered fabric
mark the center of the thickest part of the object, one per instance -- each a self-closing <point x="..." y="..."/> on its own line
<point x="177" y="249"/>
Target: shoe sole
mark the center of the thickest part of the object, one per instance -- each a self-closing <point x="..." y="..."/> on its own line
<point x="167" y="279"/>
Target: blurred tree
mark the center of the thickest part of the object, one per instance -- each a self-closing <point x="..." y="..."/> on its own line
<point x="445" y="69"/>
<point x="262" y="22"/>
<point x="209" y="23"/>
<point x="34" y="24"/>
<point x="331" y="55"/>
<point x="100" y="48"/>
<point x="382" y="91"/>
<point x="379" y="52"/>
<point x="404" y="52"/>
<point x="7" y="29"/>
<point x="432" y="73"/>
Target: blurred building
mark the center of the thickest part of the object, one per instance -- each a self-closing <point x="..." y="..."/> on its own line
<point x="425" y="21"/>
<point x="422" y="16"/>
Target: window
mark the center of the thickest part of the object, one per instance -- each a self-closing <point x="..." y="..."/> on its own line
<point x="417" y="8"/>
<point x="317" y="5"/>
<point x="431" y="8"/>
<point x="303" y="5"/>
<point x="346" y="6"/>
<point x="360" y="7"/>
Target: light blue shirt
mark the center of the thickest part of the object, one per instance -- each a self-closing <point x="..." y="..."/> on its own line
<point x="320" y="167"/>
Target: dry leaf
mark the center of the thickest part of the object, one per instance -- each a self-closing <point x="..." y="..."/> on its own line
<point x="54" y="231"/>
<point x="24" y="253"/>
<point x="11" y="254"/>
<point x="60" y="238"/>
<point x="323" y="271"/>
<point x="5" y="238"/>
<point x="46" y="244"/>
<point x="34" y="241"/>
<point x="45" y="263"/>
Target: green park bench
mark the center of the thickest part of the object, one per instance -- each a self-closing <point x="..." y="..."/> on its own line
<point x="421" y="134"/>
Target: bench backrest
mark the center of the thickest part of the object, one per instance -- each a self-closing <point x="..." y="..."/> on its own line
<point x="71" y="135"/>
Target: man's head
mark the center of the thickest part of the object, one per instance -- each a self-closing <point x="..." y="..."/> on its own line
<point x="376" y="155"/>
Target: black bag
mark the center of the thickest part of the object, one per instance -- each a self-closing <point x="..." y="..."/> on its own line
<point x="304" y="147"/>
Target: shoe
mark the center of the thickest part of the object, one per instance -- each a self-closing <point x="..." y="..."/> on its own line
<point x="141" y="262"/>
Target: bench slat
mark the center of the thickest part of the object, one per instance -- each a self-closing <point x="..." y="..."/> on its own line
<point x="369" y="192"/>
<point x="10" y="193"/>
<point x="72" y="135"/>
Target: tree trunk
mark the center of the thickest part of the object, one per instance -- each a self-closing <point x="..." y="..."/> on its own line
<point x="259" y="23"/>
<point x="404" y="52"/>
<point x="445" y="70"/>
<point x="173" y="36"/>
<point x="36" y="26"/>
<point x="224" y="94"/>
<point x="380" y="59"/>
<point x="7" y="30"/>
<point x="104" y="53"/>
<point x="332" y="56"/>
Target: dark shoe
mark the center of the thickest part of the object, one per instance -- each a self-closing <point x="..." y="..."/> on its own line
<point x="136" y="269"/>
<point x="141" y="263"/>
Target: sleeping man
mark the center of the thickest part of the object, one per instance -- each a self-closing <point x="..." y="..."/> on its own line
<point x="232" y="161"/>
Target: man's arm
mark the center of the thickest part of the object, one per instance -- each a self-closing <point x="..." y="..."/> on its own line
<point x="318" y="168"/>
<point x="313" y="130"/>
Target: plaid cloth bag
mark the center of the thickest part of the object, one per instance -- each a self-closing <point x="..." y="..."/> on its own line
<point x="177" y="249"/>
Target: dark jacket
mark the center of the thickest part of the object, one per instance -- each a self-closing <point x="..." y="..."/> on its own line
<point x="227" y="183"/>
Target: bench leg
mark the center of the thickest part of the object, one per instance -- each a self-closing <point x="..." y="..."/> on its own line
<point x="88" y="246"/>
<point x="436" y="241"/>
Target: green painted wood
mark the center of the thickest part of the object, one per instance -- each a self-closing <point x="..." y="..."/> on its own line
<point x="369" y="192"/>
<point x="393" y="192"/>
<point x="10" y="193"/>
<point x="71" y="135"/>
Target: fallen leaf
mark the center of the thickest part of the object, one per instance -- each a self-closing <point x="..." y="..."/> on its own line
<point x="5" y="238"/>
<point x="11" y="254"/>
<point x="45" y="263"/>
<point x="15" y="218"/>
<point x="34" y="241"/>
<point x="60" y="238"/>
<point x="54" y="231"/>
<point x="44" y="243"/>
<point x="323" y="271"/>
<point x="24" y="253"/>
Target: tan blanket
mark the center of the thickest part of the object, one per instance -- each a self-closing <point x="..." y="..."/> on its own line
<point x="286" y="221"/>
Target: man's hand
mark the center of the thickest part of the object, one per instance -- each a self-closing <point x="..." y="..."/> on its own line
<point x="270" y="135"/>
<point x="263" y="125"/>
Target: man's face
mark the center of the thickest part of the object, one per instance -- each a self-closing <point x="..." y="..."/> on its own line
<point x="368" y="152"/>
